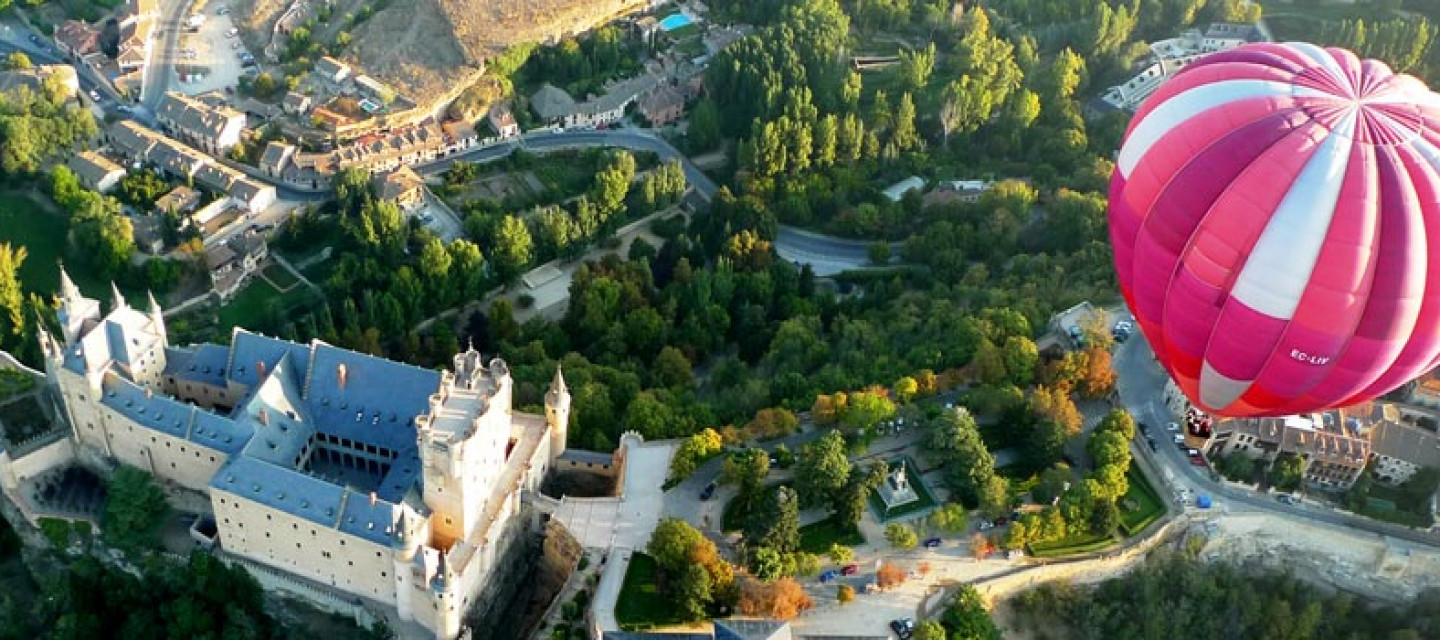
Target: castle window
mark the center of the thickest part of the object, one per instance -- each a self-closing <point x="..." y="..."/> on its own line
<point x="377" y="554"/>
<point x="384" y="575"/>
<point x="342" y="543"/>
<point x="297" y="545"/>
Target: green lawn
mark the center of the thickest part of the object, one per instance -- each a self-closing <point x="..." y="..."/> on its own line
<point x="23" y="419"/>
<point x="280" y="276"/>
<point x="683" y="32"/>
<point x="1071" y="545"/>
<point x="640" y="605"/>
<point x="817" y="538"/>
<point x="25" y="222"/>
<point x="251" y="307"/>
<point x="1149" y="506"/>
<point x="925" y="503"/>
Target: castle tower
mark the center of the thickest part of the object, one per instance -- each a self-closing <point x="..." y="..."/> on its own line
<point x="405" y="546"/>
<point x="157" y="319"/>
<point x="444" y="589"/>
<point x="117" y="301"/>
<point x="77" y="313"/>
<point x="557" y="413"/>
<point x="462" y="442"/>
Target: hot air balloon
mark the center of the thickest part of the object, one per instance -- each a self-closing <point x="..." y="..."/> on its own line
<point x="1271" y="211"/>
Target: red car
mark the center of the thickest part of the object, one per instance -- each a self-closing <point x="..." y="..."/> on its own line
<point x="850" y="570"/>
<point x="1002" y="521"/>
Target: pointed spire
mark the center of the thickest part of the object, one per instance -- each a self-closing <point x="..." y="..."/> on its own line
<point x="154" y="306"/>
<point x="441" y="581"/>
<point x="557" y="385"/>
<point x="68" y="290"/>
<point x="117" y="301"/>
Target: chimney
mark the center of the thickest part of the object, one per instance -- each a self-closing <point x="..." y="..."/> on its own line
<point x="148" y="393"/>
<point x="373" y="498"/>
<point x="260" y="368"/>
<point x="264" y="417"/>
<point x="340" y="376"/>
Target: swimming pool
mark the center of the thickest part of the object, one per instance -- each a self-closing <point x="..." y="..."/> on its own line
<point x="673" y="22"/>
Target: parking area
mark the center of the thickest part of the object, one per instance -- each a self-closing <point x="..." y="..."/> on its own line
<point x="208" y="53"/>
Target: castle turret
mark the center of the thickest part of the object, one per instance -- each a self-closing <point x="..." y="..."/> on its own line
<point x="557" y="413"/>
<point x="157" y="319"/>
<point x="406" y="545"/>
<point x="76" y="313"/>
<point x="117" y="301"/>
<point x="443" y="590"/>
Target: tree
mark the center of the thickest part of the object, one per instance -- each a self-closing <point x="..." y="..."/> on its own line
<point x="12" y="300"/>
<point x="135" y="510"/>
<point x="840" y="554"/>
<point x="17" y="61"/>
<point x="1287" y="472"/>
<point x="844" y="594"/>
<point x="773" y="422"/>
<point x="1237" y="467"/>
<point x="995" y="497"/>
<point x="906" y="388"/>
<point x="672" y="369"/>
<point x="1109" y="448"/>
<point x="512" y="248"/>
<point x="1054" y="403"/>
<point x="967" y="618"/>
<point x="777" y="525"/>
<point x="950" y="518"/>
<point x="693" y="592"/>
<point x="879" y="252"/>
<point x="980" y="546"/>
<point x="1119" y="421"/>
<point x="782" y="599"/>
<point x="263" y="85"/>
<point x="889" y="575"/>
<point x="903" y="134"/>
<point x="703" y="133"/>
<point x="916" y="65"/>
<point x="694" y="450"/>
<point x="901" y="535"/>
<point x="823" y="468"/>
<point x="1099" y="377"/>
<point x="672" y="543"/>
<point x="1105" y="518"/>
<point x="929" y="630"/>
<point x="747" y="470"/>
<point x="1020" y="356"/>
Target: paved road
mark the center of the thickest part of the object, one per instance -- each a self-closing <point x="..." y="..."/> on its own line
<point x="1141" y="383"/>
<point x="161" y="67"/>
<point x="827" y="255"/>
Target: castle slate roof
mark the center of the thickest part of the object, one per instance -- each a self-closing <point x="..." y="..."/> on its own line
<point x="304" y="496"/>
<point x="172" y="417"/>
<point x="377" y="401"/>
<point x="204" y="364"/>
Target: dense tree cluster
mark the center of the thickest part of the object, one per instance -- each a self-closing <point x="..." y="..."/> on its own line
<point x="1183" y="599"/>
<point x="37" y="126"/>
<point x="691" y="569"/>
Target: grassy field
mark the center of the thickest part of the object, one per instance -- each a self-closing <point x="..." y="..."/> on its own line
<point x="1071" y="545"/>
<point x="251" y="307"/>
<point x="817" y="538"/>
<point x="280" y="276"/>
<point x="25" y="222"/>
<point x="640" y="604"/>
<point x="1149" y="507"/>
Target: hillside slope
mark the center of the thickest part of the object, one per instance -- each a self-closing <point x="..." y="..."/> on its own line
<point x="424" y="46"/>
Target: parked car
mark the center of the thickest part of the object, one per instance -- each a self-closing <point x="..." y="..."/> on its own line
<point x="708" y="492"/>
<point x="1151" y="441"/>
<point x="1286" y="498"/>
<point x="1179" y="439"/>
<point x="1014" y="554"/>
<point x="1144" y="428"/>
<point x="232" y="32"/>
<point x="985" y="525"/>
<point x="94" y="95"/>
<point x="1173" y="426"/>
<point x="1002" y="521"/>
<point x="829" y="575"/>
<point x="850" y="570"/>
<point x="903" y="627"/>
<point x="933" y="543"/>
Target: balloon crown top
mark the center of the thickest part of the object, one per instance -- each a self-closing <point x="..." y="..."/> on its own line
<point x="1360" y="99"/>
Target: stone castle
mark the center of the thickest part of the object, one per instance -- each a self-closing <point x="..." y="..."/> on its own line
<point x="379" y="479"/>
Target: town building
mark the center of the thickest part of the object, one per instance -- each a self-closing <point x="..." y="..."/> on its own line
<point x="1167" y="57"/>
<point x="1399" y="448"/>
<point x="663" y="106"/>
<point x="137" y="34"/>
<point x="276" y="157"/>
<point x="232" y="263"/>
<point x="459" y="135"/>
<point x="1335" y="445"/>
<point x="215" y="129"/>
<point x="393" y="484"/>
<point x="502" y="121"/>
<point x="77" y="39"/>
<point x="149" y="234"/>
<point x="402" y="186"/>
<point x="138" y="144"/>
<point x="295" y="103"/>
<point x="897" y="191"/>
<point x="181" y="201"/>
<point x="95" y="172"/>
<point x="331" y="70"/>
